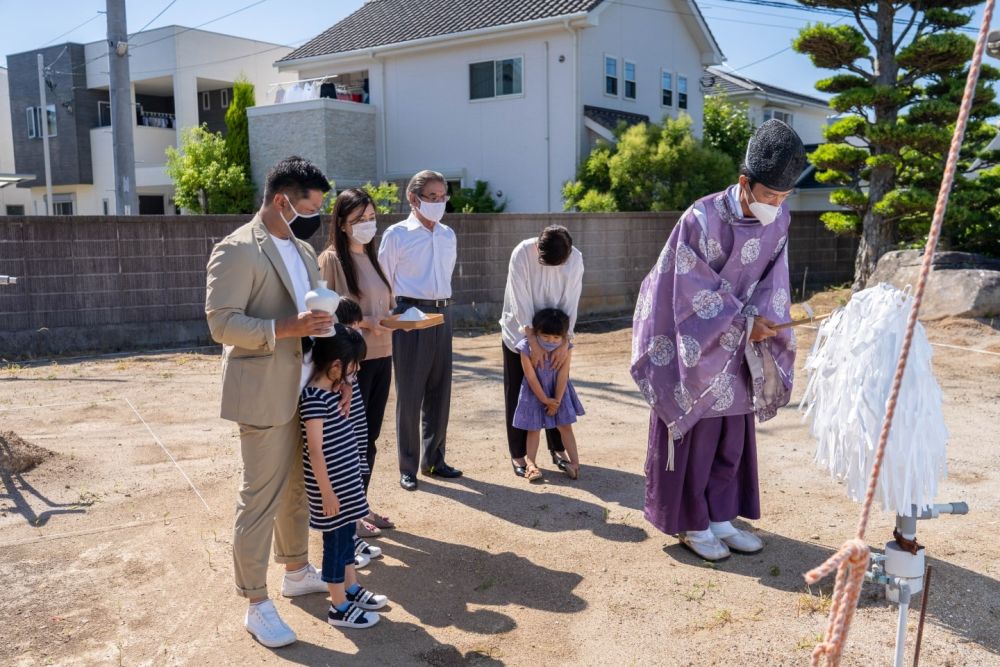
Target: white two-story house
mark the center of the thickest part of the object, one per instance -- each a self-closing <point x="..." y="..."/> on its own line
<point x="512" y="92"/>
<point x="807" y="114"/>
<point x="180" y="77"/>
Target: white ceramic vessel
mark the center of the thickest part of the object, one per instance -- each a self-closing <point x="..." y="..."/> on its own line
<point x="324" y="299"/>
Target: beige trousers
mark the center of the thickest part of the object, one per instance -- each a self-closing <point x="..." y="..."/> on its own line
<point x="272" y="500"/>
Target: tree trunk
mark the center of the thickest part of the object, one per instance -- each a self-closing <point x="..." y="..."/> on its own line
<point x="878" y="235"/>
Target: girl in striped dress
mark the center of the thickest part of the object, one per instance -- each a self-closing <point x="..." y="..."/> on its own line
<point x="333" y="475"/>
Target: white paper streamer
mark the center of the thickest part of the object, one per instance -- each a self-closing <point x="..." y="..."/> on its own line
<point x="851" y="367"/>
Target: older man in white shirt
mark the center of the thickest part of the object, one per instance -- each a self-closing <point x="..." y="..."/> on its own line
<point x="418" y="256"/>
<point x="546" y="272"/>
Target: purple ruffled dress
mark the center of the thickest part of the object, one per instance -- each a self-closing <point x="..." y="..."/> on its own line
<point x="530" y="414"/>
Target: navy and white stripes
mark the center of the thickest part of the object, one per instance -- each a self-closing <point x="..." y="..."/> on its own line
<point x="341" y="446"/>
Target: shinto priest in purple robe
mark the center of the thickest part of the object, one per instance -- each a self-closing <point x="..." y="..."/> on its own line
<point x="720" y="270"/>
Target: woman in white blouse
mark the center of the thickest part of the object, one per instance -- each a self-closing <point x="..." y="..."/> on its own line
<point x="544" y="272"/>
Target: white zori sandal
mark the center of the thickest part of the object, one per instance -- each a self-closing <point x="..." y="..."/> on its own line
<point x="738" y="541"/>
<point x="704" y="544"/>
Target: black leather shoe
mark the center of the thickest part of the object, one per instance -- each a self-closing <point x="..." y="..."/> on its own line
<point x="408" y="482"/>
<point x="519" y="470"/>
<point x="559" y="461"/>
<point x="443" y="470"/>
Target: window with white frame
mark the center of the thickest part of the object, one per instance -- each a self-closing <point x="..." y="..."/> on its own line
<point x="611" y="76"/>
<point x="206" y="101"/>
<point x="62" y="204"/>
<point x="682" y="92"/>
<point x="34" y="119"/>
<point x="666" y="88"/>
<point x="496" y="78"/>
<point x="224" y="93"/>
<point x="778" y="114"/>
<point x="629" y="80"/>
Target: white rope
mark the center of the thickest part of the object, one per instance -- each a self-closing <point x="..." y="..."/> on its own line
<point x="171" y="456"/>
<point x="56" y="405"/>
<point x="89" y="531"/>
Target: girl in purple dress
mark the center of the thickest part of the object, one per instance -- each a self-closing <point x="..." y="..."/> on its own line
<point x="547" y="398"/>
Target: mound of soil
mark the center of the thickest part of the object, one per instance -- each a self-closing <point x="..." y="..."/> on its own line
<point x="18" y="455"/>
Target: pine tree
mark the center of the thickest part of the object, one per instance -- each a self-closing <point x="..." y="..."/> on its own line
<point x="902" y="68"/>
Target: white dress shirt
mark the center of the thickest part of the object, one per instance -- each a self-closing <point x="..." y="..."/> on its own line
<point x="532" y="286"/>
<point x="418" y="261"/>
<point x="300" y="283"/>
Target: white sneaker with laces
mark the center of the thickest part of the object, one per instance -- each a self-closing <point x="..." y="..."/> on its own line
<point x="309" y="583"/>
<point x="262" y="621"/>
<point x="740" y="541"/>
<point x="704" y="544"/>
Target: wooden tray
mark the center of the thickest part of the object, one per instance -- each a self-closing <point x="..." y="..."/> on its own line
<point x="430" y="320"/>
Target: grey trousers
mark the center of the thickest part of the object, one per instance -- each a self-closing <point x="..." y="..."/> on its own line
<point x="421" y="362"/>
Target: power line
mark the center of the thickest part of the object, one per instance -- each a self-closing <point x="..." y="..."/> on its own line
<point x="201" y="25"/>
<point x="171" y="35"/>
<point x="226" y="60"/>
<point x="169" y="5"/>
<point x="71" y="30"/>
<point x="777" y="4"/>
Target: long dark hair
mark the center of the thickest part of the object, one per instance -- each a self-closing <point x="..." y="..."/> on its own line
<point x="347" y="202"/>
<point x="345" y="346"/>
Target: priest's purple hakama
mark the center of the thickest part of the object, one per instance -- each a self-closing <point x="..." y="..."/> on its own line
<point x="695" y="366"/>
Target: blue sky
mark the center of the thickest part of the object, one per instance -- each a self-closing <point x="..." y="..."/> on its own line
<point x="756" y="40"/>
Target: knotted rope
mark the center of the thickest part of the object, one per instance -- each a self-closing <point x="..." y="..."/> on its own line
<point x="851" y="560"/>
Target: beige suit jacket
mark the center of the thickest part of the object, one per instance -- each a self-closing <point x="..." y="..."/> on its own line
<point x="248" y="289"/>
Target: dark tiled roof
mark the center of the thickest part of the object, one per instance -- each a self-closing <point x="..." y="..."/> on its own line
<point x="610" y="118"/>
<point x="381" y="22"/>
<point x="734" y="84"/>
<point x="807" y="180"/>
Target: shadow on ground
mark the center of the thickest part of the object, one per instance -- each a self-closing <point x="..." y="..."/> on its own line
<point x="547" y="511"/>
<point x="444" y="585"/>
<point x="961" y="601"/>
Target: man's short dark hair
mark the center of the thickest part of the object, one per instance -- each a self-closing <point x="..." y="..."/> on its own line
<point x="297" y="175"/>
<point x="554" y="245"/>
<point x="349" y="312"/>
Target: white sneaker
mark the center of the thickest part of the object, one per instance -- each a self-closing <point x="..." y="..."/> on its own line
<point x="704" y="544"/>
<point x="370" y="550"/>
<point x="361" y="560"/>
<point x="740" y="541"/>
<point x="354" y="617"/>
<point x="309" y="583"/>
<point x="263" y="622"/>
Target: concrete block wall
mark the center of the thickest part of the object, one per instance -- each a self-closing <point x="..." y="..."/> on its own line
<point x="106" y="283"/>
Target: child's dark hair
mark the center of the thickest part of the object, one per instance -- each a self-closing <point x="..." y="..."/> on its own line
<point x="345" y="346"/>
<point x="349" y="312"/>
<point x="551" y="322"/>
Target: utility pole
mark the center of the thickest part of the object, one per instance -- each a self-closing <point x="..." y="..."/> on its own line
<point x="122" y="111"/>
<point x="43" y="121"/>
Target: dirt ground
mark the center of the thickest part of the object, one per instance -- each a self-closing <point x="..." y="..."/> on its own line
<point x="108" y="556"/>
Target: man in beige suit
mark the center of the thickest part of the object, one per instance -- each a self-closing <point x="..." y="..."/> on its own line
<point x="258" y="277"/>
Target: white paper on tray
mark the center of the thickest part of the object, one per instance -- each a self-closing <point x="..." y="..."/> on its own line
<point x="413" y="314"/>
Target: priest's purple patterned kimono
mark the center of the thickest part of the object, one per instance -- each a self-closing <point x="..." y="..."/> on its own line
<point x="695" y="367"/>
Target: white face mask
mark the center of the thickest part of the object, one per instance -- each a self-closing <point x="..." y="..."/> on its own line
<point x="431" y="210"/>
<point x="763" y="212"/>
<point x="363" y="231"/>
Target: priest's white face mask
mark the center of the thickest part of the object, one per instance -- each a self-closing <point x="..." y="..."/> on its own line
<point x="765" y="212"/>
